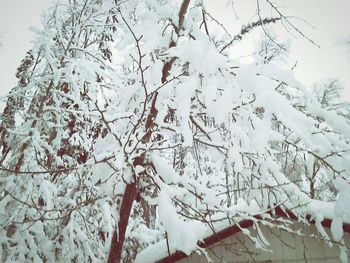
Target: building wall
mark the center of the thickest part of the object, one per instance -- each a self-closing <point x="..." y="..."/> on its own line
<point x="284" y="247"/>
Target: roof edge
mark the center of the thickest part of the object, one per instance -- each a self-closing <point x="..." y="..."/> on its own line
<point x="231" y="230"/>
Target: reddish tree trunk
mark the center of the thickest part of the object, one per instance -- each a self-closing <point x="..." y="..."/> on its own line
<point x="130" y="193"/>
<point x="118" y="237"/>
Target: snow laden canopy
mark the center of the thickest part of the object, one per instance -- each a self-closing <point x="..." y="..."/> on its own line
<point x="130" y="123"/>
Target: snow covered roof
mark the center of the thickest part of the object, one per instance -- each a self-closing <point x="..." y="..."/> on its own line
<point x="319" y="213"/>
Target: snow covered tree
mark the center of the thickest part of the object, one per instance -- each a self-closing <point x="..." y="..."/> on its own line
<point x="130" y="123"/>
<point x="329" y="94"/>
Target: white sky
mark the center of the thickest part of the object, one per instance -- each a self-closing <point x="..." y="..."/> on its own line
<point x="331" y="19"/>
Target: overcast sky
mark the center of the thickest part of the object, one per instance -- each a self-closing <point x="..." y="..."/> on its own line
<point x="331" y="19"/>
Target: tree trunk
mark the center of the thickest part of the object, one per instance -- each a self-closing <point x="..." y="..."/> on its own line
<point x="115" y="251"/>
<point x="130" y="193"/>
